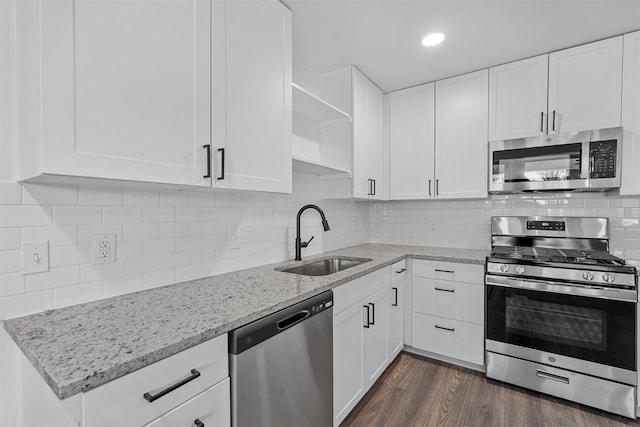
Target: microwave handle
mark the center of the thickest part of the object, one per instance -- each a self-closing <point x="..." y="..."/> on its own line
<point x="585" y="161"/>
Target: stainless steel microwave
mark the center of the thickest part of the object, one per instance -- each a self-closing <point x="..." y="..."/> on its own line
<point x="582" y="161"/>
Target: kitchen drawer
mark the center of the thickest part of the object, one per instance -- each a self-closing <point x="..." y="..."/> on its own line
<point x="451" y="338"/>
<point x="212" y="408"/>
<point x="344" y="296"/>
<point x="458" y="272"/>
<point x="398" y="271"/>
<point x="122" y="402"/>
<point x="453" y="300"/>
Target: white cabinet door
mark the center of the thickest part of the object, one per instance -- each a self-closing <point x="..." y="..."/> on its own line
<point x="114" y="89"/>
<point x="376" y="336"/>
<point x="411" y="135"/>
<point x="585" y="86"/>
<point x="630" y="184"/>
<point x="252" y="107"/>
<point x="368" y="179"/>
<point x="396" y="321"/>
<point x="348" y="345"/>
<point x="461" y="136"/>
<point x="518" y="99"/>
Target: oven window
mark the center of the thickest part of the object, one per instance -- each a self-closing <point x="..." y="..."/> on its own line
<point x="598" y="330"/>
<point x="551" y="163"/>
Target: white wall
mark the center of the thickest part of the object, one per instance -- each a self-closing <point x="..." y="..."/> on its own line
<point x="465" y="223"/>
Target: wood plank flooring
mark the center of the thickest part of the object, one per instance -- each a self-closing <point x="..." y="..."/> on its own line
<point x="416" y="391"/>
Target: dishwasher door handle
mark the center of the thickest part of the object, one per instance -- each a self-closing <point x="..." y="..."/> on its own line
<point x="292" y="320"/>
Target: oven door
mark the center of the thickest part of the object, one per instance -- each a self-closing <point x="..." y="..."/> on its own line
<point x="573" y="330"/>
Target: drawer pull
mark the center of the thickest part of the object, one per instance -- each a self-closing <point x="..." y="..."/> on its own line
<point x="446" y="329"/>
<point x="402" y="270"/>
<point x="368" y="323"/>
<point x="373" y="313"/>
<point x="198" y="423"/>
<point x="445" y="271"/>
<point x="553" y="377"/>
<point x="151" y="397"/>
<point x="444" y="290"/>
<point x="395" y="290"/>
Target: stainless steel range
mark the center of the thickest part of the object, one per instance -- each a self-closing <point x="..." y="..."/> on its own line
<point x="561" y="311"/>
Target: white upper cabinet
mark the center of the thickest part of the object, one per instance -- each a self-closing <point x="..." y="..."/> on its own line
<point x="518" y="99"/>
<point x="630" y="184"/>
<point x="412" y="143"/>
<point x="585" y="86"/>
<point x="461" y="136"/>
<point x="581" y="90"/>
<point x="251" y="98"/>
<point x="369" y="178"/>
<point x="114" y="89"/>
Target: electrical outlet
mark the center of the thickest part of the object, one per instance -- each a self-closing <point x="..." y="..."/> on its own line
<point x="235" y="240"/>
<point x="104" y="248"/>
<point x="35" y="257"/>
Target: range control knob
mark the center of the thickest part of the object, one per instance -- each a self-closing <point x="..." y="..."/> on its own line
<point x="504" y="268"/>
<point x="608" y="277"/>
<point x="520" y="269"/>
<point x="587" y="275"/>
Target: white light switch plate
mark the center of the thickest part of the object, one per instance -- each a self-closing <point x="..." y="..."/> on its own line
<point x="35" y="256"/>
<point x="104" y="248"/>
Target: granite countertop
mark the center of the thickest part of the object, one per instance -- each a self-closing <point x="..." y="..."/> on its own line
<point x="81" y="347"/>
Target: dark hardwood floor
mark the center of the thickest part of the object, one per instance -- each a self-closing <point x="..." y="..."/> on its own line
<point x="416" y="391"/>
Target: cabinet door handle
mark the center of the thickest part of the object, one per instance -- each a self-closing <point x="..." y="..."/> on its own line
<point x="429" y="187"/>
<point x="221" y="177"/>
<point x="395" y="290"/>
<point x="444" y="290"/>
<point x="446" y="329"/>
<point x="437" y="187"/>
<point x="445" y="271"/>
<point x="198" y="423"/>
<point x="550" y="376"/>
<point x="369" y="187"/>
<point x="542" y="121"/>
<point x="151" y="397"/>
<point x="373" y="313"/>
<point x="367" y="325"/>
<point x="374" y="187"/>
<point x="208" y="148"/>
<point x="553" y="123"/>
<point x="402" y="270"/>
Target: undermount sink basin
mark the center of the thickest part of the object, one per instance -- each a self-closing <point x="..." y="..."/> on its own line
<point x="325" y="267"/>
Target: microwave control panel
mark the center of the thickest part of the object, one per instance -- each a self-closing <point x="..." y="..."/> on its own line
<point x="602" y="156"/>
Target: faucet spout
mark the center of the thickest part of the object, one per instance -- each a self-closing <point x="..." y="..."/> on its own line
<point x="299" y="243"/>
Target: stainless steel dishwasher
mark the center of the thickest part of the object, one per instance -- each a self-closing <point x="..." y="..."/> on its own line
<point x="282" y="367"/>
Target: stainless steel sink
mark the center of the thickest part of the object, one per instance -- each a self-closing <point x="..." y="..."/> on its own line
<point x="325" y="267"/>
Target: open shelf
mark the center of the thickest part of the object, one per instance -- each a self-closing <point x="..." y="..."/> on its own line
<point x="310" y="106"/>
<point x="316" y="168"/>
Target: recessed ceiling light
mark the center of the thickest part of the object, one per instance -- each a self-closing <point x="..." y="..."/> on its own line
<point x="433" y="39"/>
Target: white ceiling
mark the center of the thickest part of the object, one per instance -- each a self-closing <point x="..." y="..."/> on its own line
<point x="382" y="37"/>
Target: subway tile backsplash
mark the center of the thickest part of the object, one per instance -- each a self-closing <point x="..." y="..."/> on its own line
<point x="163" y="237"/>
<point x="465" y="223"/>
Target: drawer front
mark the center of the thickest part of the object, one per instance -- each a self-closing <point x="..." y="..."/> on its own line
<point x="451" y="338"/>
<point x="211" y="408"/>
<point x="122" y="402"/>
<point x="344" y="296"/>
<point x="457" y="272"/>
<point x="398" y="271"/>
<point x="453" y="300"/>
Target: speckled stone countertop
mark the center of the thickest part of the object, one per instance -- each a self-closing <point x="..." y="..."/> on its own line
<point x="81" y="347"/>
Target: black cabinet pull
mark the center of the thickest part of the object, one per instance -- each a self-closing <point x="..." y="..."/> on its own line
<point x="553" y="124"/>
<point x="395" y="290"/>
<point x="542" y="121"/>
<point x="369" y="187"/>
<point x="208" y="148"/>
<point x="429" y="187"/>
<point x="437" y="187"/>
<point x="445" y="271"/>
<point x="373" y="313"/>
<point x="151" y="397"/>
<point x="221" y="177"/>
<point x="402" y="270"/>
<point x="444" y="290"/>
<point x="446" y="329"/>
<point x="198" y="423"/>
<point x="374" y="187"/>
<point x="367" y="325"/>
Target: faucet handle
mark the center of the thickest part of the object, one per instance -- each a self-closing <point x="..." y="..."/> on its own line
<point x="305" y="244"/>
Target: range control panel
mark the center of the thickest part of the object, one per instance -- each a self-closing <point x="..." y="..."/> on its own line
<point x="546" y="225"/>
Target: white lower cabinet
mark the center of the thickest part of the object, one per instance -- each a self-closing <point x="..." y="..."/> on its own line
<point x="360" y="339"/>
<point x="448" y="311"/>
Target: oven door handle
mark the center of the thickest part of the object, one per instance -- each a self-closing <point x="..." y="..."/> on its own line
<point x="553" y="377"/>
<point x="616" y="294"/>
